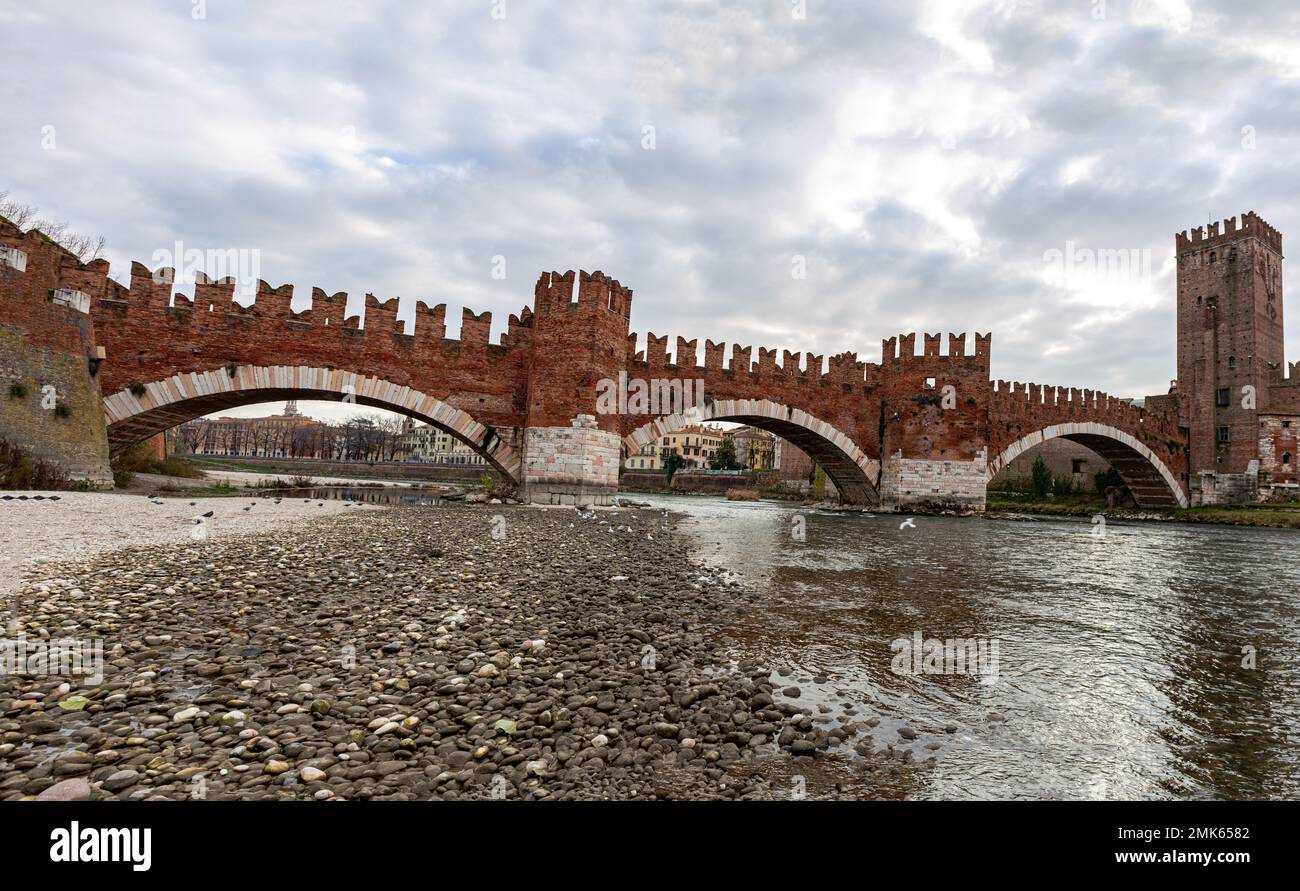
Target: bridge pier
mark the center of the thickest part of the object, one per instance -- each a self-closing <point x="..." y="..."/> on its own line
<point x="574" y="465"/>
<point x="956" y="485"/>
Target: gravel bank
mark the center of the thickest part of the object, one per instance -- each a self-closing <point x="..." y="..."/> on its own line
<point x="408" y="653"/>
<point x="44" y="527"/>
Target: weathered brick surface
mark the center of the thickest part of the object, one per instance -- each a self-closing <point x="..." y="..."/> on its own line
<point x="46" y="345"/>
<point x="1279" y="450"/>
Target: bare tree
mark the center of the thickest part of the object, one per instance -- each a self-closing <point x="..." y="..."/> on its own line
<point x="26" y="217"/>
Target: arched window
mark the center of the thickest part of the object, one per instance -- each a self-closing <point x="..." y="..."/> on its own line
<point x="1286" y="459"/>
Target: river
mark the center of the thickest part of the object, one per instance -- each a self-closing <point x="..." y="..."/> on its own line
<point x="1124" y="663"/>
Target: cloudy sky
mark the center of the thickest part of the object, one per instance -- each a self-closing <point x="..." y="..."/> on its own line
<point x="926" y="165"/>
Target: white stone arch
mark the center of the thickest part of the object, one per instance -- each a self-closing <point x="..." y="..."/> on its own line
<point x="131" y="418"/>
<point x="1095" y="436"/>
<point x="855" y="473"/>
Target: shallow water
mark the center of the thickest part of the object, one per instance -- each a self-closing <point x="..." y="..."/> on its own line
<point x="1120" y="656"/>
<point x="384" y="495"/>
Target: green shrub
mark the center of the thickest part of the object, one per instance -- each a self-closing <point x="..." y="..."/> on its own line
<point x="1107" y="478"/>
<point x="1042" y="478"/>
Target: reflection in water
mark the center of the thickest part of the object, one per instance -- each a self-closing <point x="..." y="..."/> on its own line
<point x="365" y="494"/>
<point x="1121" y="655"/>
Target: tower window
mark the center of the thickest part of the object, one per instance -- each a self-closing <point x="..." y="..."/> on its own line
<point x="1232" y="361"/>
<point x="1223" y="396"/>
<point x="1213" y="257"/>
<point x="1286" y="459"/>
<point x="1221" y="435"/>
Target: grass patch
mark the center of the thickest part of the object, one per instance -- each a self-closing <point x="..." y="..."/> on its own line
<point x="138" y="459"/>
<point x="1269" y="515"/>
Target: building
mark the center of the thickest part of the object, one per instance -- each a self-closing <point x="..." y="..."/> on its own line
<point x="755" y="449"/>
<point x="696" y="445"/>
<point x="274" y="436"/>
<point x="1064" y="458"/>
<point x="792" y="461"/>
<point x="1236" y="394"/>
<point x="432" y="445"/>
<point x="292" y="435"/>
<point x="646" y="458"/>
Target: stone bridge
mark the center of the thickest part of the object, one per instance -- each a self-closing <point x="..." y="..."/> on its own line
<point x="926" y="427"/>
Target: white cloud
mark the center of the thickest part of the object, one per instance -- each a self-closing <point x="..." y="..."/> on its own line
<point x="922" y="157"/>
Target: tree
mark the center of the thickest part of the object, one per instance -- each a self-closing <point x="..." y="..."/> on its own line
<point x="1107" y="478"/>
<point x="26" y="217"/>
<point x="1042" y="477"/>
<point x="725" y="456"/>
<point x="672" y="463"/>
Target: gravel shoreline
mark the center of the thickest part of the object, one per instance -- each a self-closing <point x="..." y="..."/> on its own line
<point x="46" y="527"/>
<point x="407" y="653"/>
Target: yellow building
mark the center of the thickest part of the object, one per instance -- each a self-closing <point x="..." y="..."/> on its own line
<point x="696" y="445"/>
<point x="755" y="449"/>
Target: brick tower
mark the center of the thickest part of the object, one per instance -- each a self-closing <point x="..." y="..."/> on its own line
<point x="1229" y="334"/>
<point x="572" y="454"/>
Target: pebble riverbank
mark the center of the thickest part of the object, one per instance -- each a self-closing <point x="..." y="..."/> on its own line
<point x="407" y="653"/>
<point x="45" y="527"/>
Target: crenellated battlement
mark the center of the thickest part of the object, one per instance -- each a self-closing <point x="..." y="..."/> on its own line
<point x="1285" y="374"/>
<point x="1252" y="226"/>
<point x="1014" y="398"/>
<point x="760" y="362"/>
<point x="902" y="348"/>
<point x="596" y="294"/>
<point x="153" y="291"/>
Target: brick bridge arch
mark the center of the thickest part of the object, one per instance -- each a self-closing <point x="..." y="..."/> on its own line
<point x="1150" y="481"/>
<point x="855" y="474"/>
<point x="163" y="404"/>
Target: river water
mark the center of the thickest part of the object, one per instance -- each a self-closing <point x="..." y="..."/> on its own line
<point x="1123" y="666"/>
